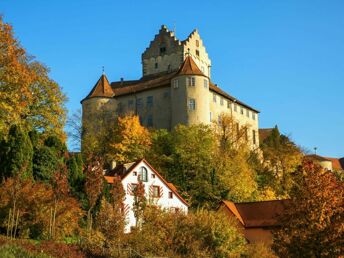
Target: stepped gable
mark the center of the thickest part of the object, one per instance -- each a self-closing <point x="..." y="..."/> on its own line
<point x="189" y="67"/>
<point x="164" y="35"/>
<point x="102" y="88"/>
<point x="193" y="34"/>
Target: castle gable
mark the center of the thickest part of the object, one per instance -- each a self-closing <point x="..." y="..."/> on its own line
<point x="194" y="47"/>
<point x="164" y="43"/>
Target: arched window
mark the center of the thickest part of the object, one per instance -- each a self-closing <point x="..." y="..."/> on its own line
<point x="143" y="174"/>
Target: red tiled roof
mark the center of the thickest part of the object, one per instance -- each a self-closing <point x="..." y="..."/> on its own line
<point x="336" y="164"/>
<point x="124" y="169"/>
<point x="122" y="88"/>
<point x="317" y="157"/>
<point x="257" y="214"/>
<point x="102" y="88"/>
<point x="189" y="67"/>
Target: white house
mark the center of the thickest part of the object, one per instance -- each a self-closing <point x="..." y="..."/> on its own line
<point x="157" y="190"/>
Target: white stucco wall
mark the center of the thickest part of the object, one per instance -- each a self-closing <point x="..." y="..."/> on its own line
<point x="164" y="202"/>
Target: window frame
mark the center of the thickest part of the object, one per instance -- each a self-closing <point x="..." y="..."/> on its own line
<point x="140" y="174"/>
<point x="153" y="191"/>
<point x="192" y="104"/>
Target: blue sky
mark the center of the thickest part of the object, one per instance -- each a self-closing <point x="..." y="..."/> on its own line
<point x="285" y="58"/>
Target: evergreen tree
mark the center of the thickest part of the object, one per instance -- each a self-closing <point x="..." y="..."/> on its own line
<point x="16" y="154"/>
<point x="45" y="163"/>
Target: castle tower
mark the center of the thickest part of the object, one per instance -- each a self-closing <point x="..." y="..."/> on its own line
<point x="98" y="105"/>
<point x="189" y="95"/>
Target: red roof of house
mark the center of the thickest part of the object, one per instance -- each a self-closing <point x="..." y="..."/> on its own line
<point x="124" y="169"/>
<point x="257" y="214"/>
<point x="336" y="163"/>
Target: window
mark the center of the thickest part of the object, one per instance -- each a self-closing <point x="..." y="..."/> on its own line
<point x="132" y="188"/>
<point x="130" y="104"/>
<point x="197" y="52"/>
<point x="191" y="81"/>
<point x="202" y="69"/>
<point x="156" y="65"/>
<point x="206" y="83"/>
<point x="247" y="113"/>
<point x="221" y="101"/>
<point x="253" y="116"/>
<point x="170" y="195"/>
<point x="150" y="101"/>
<point x="134" y="173"/>
<point x="156" y="191"/>
<point x="210" y="116"/>
<point x="229" y="104"/>
<point x="197" y="43"/>
<point x="143" y="174"/>
<point x="214" y="97"/>
<point x="162" y="50"/>
<point x="139" y="103"/>
<point x="175" y="84"/>
<point x="166" y="94"/>
<point x="150" y="121"/>
<point x="192" y="104"/>
<point x="235" y="107"/>
<point x="153" y="175"/>
<point x="241" y="110"/>
<point x="120" y="108"/>
<point x="254" y="137"/>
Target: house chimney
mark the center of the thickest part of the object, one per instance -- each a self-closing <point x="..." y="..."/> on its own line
<point x="113" y="164"/>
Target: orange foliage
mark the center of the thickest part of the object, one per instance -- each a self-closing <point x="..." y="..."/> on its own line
<point x="130" y="139"/>
<point x="313" y="224"/>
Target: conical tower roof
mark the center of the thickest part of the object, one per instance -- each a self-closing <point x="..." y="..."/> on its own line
<point x="102" y="88"/>
<point x="189" y="67"/>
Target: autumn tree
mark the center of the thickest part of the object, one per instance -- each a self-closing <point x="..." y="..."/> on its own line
<point x="28" y="97"/>
<point x="231" y="160"/>
<point x="129" y="140"/>
<point x="312" y="226"/>
<point x="200" y="234"/>
<point x="281" y="158"/>
<point x="93" y="185"/>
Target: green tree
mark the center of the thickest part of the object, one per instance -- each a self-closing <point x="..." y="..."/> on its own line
<point x="312" y="225"/>
<point x="45" y="163"/>
<point x="16" y="154"/>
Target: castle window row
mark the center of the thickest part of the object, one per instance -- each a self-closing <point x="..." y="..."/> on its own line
<point x="236" y="107"/>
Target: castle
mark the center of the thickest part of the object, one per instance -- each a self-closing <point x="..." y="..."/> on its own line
<point x="175" y="88"/>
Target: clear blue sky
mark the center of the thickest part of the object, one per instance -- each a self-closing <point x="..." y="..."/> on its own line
<point x="285" y="58"/>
